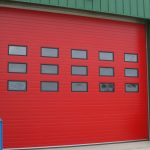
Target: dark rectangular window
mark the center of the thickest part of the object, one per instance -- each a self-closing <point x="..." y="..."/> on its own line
<point x="17" y="85"/>
<point x="79" y="54"/>
<point x="17" y="67"/>
<point x="108" y="56"/>
<point x="17" y="50"/>
<point x="79" y="70"/>
<point x="49" y="69"/>
<point x="49" y="86"/>
<point x="132" y="87"/>
<point x="107" y="87"/>
<point x="50" y="52"/>
<point x="106" y="71"/>
<point x="131" y="57"/>
<point x="131" y="72"/>
<point x="79" y="86"/>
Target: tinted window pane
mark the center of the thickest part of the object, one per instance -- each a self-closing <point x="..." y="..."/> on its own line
<point x="131" y="57"/>
<point x="106" y="71"/>
<point x="79" y="70"/>
<point x="107" y="87"/>
<point x="17" y="68"/>
<point x="50" y="52"/>
<point x="131" y="72"/>
<point x="106" y="56"/>
<point x="49" y="86"/>
<point x="49" y="69"/>
<point x="18" y="50"/>
<point x="17" y="85"/>
<point x="79" y="54"/>
<point x="132" y="87"/>
<point x="79" y="87"/>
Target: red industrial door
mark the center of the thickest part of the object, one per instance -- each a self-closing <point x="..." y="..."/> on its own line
<point x="69" y="80"/>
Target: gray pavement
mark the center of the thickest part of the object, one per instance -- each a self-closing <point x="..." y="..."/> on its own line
<point x="144" y="145"/>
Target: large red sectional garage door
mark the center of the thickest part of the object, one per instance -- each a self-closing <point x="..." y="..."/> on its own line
<point x="69" y="80"/>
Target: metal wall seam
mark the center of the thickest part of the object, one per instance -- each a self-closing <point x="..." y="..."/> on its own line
<point x="80" y="4"/>
<point x="127" y="8"/>
<point x="104" y="6"/>
<point x="89" y="5"/>
<point x="96" y="5"/>
<point x="112" y="6"/>
<point x="147" y="8"/>
<point x="63" y="3"/>
<point x="72" y="4"/>
<point x="119" y="7"/>
<point x="134" y="6"/>
<point x="53" y="2"/>
<point x="140" y="8"/>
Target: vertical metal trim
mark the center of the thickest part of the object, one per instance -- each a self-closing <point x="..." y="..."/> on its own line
<point x="108" y="6"/>
<point x="123" y="7"/>
<point x="143" y="9"/>
<point x="83" y="4"/>
<point x="148" y="71"/>
<point x="130" y="7"/>
<point x="1" y="135"/>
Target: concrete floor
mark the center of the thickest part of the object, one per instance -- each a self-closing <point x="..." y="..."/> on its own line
<point x="121" y="146"/>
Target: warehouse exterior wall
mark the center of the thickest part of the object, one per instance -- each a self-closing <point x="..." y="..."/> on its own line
<point x="133" y="8"/>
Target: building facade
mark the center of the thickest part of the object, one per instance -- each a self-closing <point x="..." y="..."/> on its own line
<point x="74" y="72"/>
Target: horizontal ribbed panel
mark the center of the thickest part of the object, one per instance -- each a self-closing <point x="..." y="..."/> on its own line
<point x="34" y="118"/>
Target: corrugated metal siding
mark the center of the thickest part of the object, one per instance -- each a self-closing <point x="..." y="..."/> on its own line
<point x="134" y="8"/>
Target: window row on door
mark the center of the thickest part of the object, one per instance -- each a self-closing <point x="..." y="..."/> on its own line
<point x="53" y="86"/>
<point x="75" y="53"/>
<point x="53" y="69"/>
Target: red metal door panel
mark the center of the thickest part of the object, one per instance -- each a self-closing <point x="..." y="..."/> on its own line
<point x="35" y="118"/>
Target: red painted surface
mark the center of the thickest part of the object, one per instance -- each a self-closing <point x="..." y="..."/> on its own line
<point x="33" y="118"/>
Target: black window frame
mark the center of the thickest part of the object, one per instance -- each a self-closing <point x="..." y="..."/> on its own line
<point x="80" y="50"/>
<point x="106" y="83"/>
<point x="132" y="91"/>
<point x="49" y="82"/>
<point x="106" y="52"/>
<point x="131" y="76"/>
<point x="80" y="91"/>
<point x="17" y="63"/>
<point x="79" y="74"/>
<point x="50" y="65"/>
<point x="17" y="81"/>
<point x="50" y="48"/>
<point x="132" y="54"/>
<point x="18" y="46"/>
<point x="107" y="75"/>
